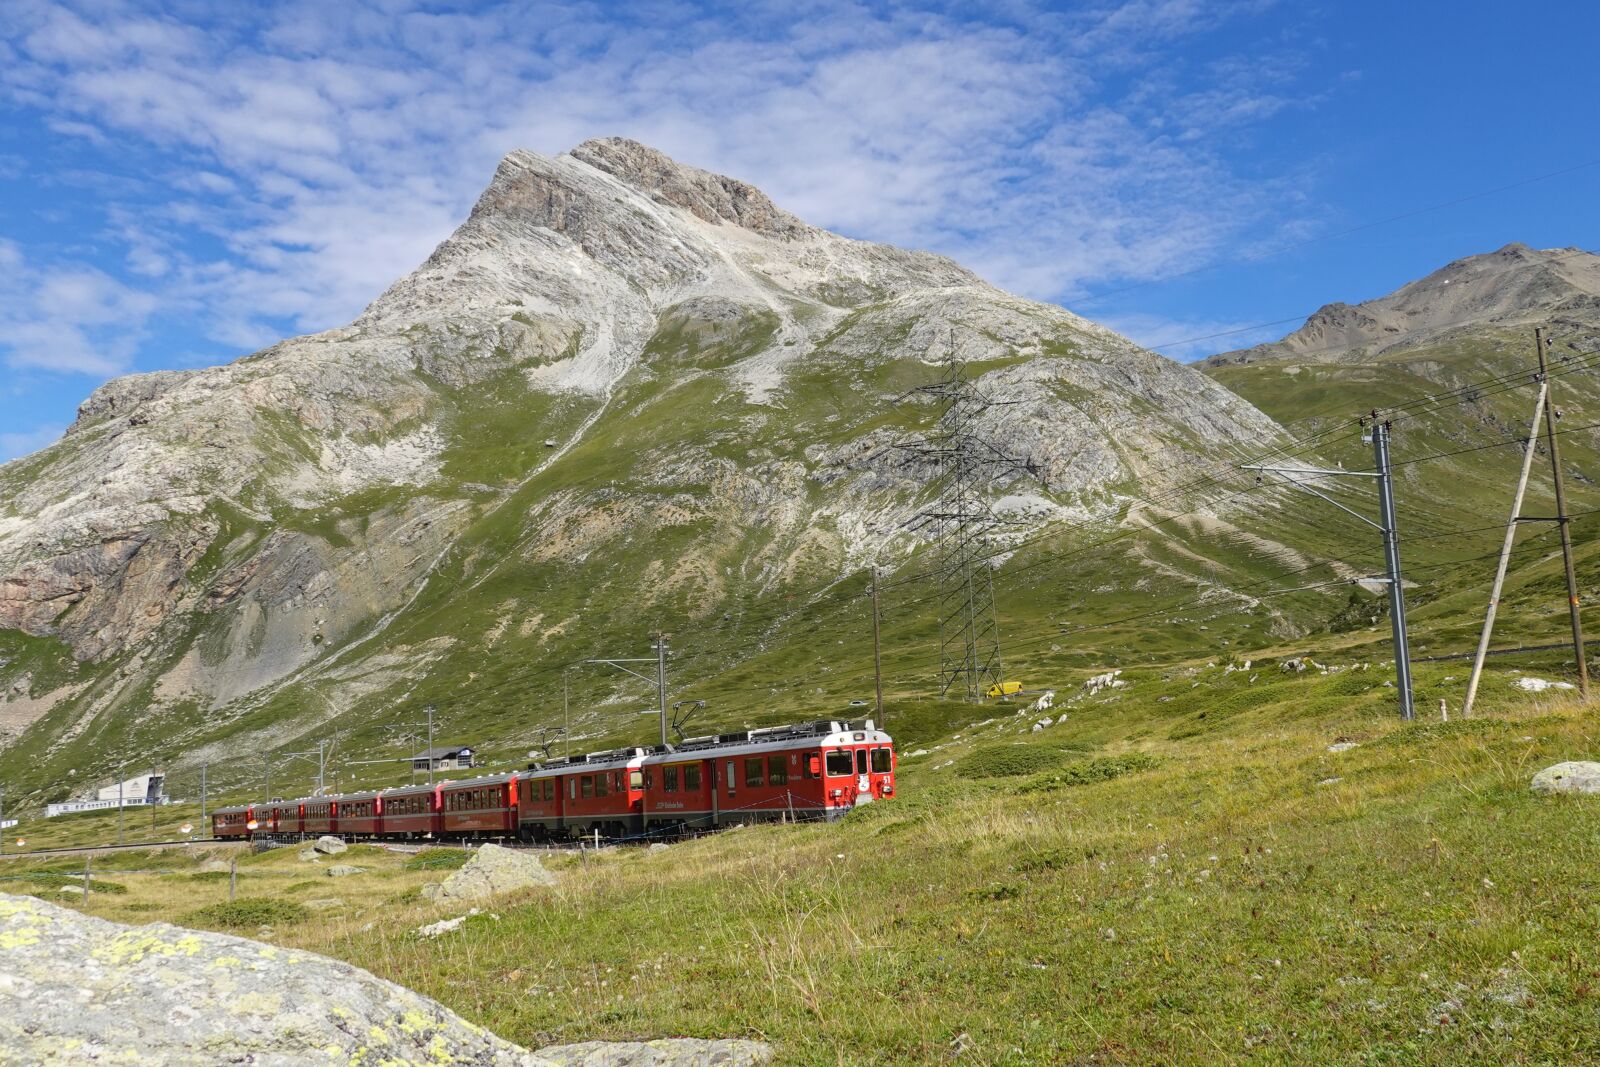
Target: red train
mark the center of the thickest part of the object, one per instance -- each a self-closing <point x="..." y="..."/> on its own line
<point x="817" y="770"/>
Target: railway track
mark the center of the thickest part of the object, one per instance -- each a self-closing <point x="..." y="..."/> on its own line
<point x="71" y="850"/>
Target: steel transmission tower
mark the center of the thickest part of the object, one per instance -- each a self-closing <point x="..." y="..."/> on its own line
<point x="961" y="523"/>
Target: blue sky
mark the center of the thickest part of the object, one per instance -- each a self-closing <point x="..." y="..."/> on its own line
<point x="184" y="182"/>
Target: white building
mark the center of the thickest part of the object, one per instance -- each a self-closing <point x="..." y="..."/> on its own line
<point x="137" y="792"/>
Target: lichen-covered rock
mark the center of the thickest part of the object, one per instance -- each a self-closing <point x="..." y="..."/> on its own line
<point x="491" y="870"/>
<point x="342" y="870"/>
<point x="329" y="846"/>
<point x="1574" y="776"/>
<point x="75" y="989"/>
<point x="672" y="1052"/>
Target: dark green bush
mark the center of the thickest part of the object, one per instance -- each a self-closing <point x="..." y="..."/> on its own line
<point x="249" y="912"/>
<point x="1096" y="770"/>
<point x="1008" y="761"/>
<point x="438" y="859"/>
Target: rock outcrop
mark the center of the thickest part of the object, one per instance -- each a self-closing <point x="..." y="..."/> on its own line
<point x="78" y="990"/>
<point x="491" y="870"/>
<point x="1574" y="776"/>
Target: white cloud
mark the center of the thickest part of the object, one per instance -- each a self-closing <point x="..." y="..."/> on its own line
<point x="328" y="147"/>
<point x="72" y="319"/>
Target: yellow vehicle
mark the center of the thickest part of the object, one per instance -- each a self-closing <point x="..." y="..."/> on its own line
<point x="1004" y="689"/>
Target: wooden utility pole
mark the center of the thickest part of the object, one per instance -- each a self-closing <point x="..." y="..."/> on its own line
<point x="877" y="651"/>
<point x="1562" y="522"/>
<point x="1505" y="548"/>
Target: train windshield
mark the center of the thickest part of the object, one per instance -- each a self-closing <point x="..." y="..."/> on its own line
<point x="839" y="762"/>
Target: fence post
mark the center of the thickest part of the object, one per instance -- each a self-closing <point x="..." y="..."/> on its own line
<point x="789" y="796"/>
<point x="86" y="881"/>
<point x="233" y="876"/>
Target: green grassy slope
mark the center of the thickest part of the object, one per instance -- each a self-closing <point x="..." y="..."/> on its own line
<point x="1179" y="871"/>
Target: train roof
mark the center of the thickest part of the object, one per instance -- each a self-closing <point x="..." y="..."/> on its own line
<point x="820" y="732"/>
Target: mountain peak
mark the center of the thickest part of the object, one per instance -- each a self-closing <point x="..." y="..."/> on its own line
<point x="713" y="198"/>
<point x="1514" y="285"/>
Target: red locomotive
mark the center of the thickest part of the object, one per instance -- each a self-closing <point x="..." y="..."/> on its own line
<point x="817" y="770"/>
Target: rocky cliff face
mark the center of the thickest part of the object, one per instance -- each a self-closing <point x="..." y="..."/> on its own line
<point x="615" y="354"/>
<point x="1514" y="286"/>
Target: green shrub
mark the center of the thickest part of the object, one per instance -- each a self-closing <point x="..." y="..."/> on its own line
<point x="995" y="892"/>
<point x="1008" y="761"/>
<point x="48" y="883"/>
<point x="248" y="912"/>
<point x="438" y="859"/>
<point x="1096" y="770"/>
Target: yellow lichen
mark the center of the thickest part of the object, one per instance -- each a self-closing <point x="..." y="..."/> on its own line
<point x="27" y="935"/>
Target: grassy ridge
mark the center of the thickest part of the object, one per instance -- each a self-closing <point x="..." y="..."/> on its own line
<point x="1191" y="877"/>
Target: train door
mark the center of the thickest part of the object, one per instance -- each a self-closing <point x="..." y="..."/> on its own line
<point x="863" y="777"/>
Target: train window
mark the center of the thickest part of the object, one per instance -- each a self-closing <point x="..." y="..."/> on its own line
<point x="777" y="771"/>
<point x="691" y="776"/>
<point x="730" y="778"/>
<point x="669" y="779"/>
<point x="881" y="761"/>
<point x="839" y="762"/>
<point x="752" y="771"/>
<point x="588" y="785"/>
<point x="572" y="788"/>
<point x="635" y="779"/>
<point x="813" y="766"/>
<point x="861" y="761"/>
<point x="549" y="788"/>
<point x="600" y="785"/>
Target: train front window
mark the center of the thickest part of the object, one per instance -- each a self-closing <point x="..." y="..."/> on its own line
<point x="839" y="763"/>
<point x="880" y="761"/>
<point x="861" y="761"/>
<point x="635" y="779"/>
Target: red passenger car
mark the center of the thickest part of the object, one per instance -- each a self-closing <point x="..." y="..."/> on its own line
<point x="479" y="807"/>
<point x="316" y="815"/>
<point x="357" y="814"/>
<point x="229" y="823"/>
<point x="601" y="791"/>
<point x="410" y="811"/>
<point x="540" y="803"/>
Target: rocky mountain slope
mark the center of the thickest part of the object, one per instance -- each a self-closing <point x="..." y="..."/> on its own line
<point x="1514" y="286"/>
<point x="625" y="392"/>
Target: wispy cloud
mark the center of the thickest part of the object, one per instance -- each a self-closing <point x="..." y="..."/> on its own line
<point x="68" y="318"/>
<point x="313" y="152"/>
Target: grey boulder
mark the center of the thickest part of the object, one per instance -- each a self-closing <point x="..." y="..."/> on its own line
<point x="75" y="989"/>
<point x="330" y="846"/>
<point x="1575" y="776"/>
<point x="340" y="870"/>
<point x="491" y="870"/>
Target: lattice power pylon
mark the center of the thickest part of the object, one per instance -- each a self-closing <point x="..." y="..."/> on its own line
<point x="961" y="523"/>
